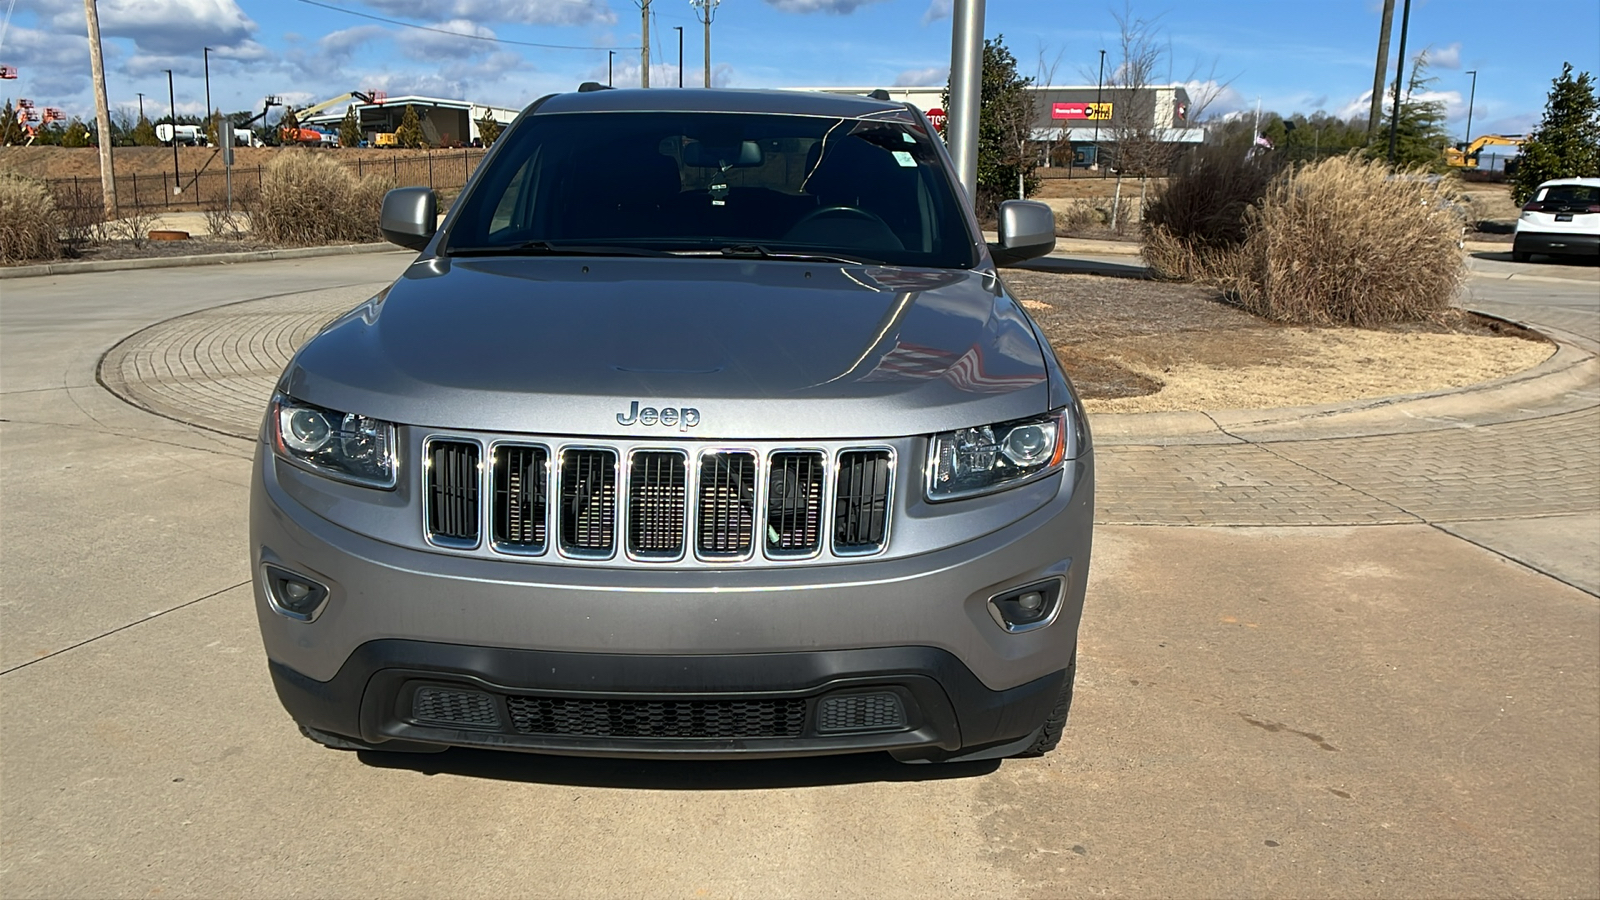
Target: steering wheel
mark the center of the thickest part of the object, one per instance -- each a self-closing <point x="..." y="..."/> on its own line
<point x="841" y="212"/>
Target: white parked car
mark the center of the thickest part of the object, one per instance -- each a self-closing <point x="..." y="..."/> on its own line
<point x="1562" y="219"/>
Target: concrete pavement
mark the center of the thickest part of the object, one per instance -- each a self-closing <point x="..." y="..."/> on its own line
<point x="1396" y="709"/>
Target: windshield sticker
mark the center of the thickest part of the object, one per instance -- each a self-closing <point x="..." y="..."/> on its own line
<point x="904" y="159"/>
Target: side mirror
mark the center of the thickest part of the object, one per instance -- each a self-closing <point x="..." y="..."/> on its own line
<point x="1027" y="231"/>
<point x="410" y="217"/>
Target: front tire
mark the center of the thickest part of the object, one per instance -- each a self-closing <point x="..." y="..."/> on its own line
<point x="1050" y="735"/>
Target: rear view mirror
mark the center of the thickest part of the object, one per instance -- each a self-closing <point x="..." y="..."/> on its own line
<point x="742" y="155"/>
<point x="410" y="217"/>
<point x="1027" y="231"/>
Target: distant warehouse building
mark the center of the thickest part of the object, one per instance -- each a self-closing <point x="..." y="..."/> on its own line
<point x="1072" y="124"/>
<point x="445" y="123"/>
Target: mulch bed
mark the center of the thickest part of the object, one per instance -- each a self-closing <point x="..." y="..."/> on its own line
<point x="1160" y="323"/>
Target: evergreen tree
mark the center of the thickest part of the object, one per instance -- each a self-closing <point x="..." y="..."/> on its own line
<point x="350" y="128"/>
<point x="10" y="131"/>
<point x="409" y="134"/>
<point x="1005" y="125"/>
<point x="144" y="134"/>
<point x="1567" y="142"/>
<point x="488" y="129"/>
<point x="288" y="126"/>
<point x="214" y="128"/>
<point x="76" y="135"/>
<point x="1420" y="135"/>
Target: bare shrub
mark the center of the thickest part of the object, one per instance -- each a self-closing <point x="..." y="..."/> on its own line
<point x="1203" y="205"/>
<point x="227" y="224"/>
<point x="134" y="226"/>
<point x="309" y="198"/>
<point x="1345" y="242"/>
<point x="1076" y="217"/>
<point x="30" y="223"/>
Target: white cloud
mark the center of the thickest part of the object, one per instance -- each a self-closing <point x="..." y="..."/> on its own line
<point x="938" y="9"/>
<point x="170" y="27"/>
<point x="923" y="77"/>
<point x="1443" y="57"/>
<point x="837" y="7"/>
<point x="527" y="12"/>
<point x="345" y="43"/>
<point x="431" y="45"/>
<point x="1208" y="98"/>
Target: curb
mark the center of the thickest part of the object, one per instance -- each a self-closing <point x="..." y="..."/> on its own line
<point x="204" y="259"/>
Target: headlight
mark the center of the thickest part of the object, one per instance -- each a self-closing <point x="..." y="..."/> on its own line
<point x="345" y="446"/>
<point x="994" y="457"/>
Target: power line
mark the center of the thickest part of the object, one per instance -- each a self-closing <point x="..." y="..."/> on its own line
<point x="473" y="37"/>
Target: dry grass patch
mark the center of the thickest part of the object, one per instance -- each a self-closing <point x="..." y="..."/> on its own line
<point x="309" y="199"/>
<point x="30" y="223"/>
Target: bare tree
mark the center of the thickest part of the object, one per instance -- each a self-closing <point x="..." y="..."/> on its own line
<point x="1044" y="78"/>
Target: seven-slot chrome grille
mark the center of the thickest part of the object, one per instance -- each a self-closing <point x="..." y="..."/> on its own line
<point x="657" y="504"/>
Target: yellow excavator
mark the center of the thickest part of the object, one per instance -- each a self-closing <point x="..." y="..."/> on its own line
<point x="1466" y="157"/>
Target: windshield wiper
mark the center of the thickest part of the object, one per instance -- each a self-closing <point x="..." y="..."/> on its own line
<point x="545" y="248"/>
<point x="757" y="251"/>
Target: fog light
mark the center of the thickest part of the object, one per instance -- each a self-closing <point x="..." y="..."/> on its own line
<point x="294" y="595"/>
<point x="1028" y="607"/>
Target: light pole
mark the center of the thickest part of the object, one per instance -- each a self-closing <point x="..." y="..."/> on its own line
<point x="1399" y="67"/>
<point x="611" y="56"/>
<point x="966" y="90"/>
<point x="705" y="10"/>
<point x="172" y="104"/>
<point x="207" y="56"/>
<point x="1470" y="98"/>
<point x="1099" y="83"/>
<point x="679" y="29"/>
<point x="141" y="106"/>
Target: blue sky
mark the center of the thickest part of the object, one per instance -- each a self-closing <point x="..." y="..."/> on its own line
<point x="1295" y="56"/>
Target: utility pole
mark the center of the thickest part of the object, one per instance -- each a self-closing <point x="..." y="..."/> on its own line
<point x="705" y="10"/>
<point x="172" y="104"/>
<point x="141" y="106"/>
<point x="966" y="90"/>
<point x="1382" y="70"/>
<point x="102" y="110"/>
<point x="1098" y="106"/>
<point x="1471" y="97"/>
<point x="679" y="30"/>
<point x="207" y="56"/>
<point x="1399" y="70"/>
<point x="644" y="50"/>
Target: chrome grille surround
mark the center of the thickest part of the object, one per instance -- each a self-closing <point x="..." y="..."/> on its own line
<point x="468" y="493"/>
<point x="755" y="546"/>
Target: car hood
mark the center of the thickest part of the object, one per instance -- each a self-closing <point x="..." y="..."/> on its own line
<point x="760" y="349"/>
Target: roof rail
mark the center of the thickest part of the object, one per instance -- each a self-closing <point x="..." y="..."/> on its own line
<point x="588" y="86"/>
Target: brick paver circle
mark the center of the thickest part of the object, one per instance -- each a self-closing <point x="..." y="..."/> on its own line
<point x="216" y="369"/>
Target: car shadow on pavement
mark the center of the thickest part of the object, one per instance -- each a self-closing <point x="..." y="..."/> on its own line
<point x="673" y="775"/>
<point x="1069" y="266"/>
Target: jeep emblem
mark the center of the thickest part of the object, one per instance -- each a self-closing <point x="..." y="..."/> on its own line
<point x="685" y="418"/>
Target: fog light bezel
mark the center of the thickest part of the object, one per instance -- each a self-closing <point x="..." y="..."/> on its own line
<point x="1053" y="589"/>
<point x="273" y="578"/>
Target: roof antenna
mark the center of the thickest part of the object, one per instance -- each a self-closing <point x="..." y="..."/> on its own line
<point x="588" y="86"/>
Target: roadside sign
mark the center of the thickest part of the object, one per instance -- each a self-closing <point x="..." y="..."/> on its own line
<point x="936" y="118"/>
<point x="1100" y="112"/>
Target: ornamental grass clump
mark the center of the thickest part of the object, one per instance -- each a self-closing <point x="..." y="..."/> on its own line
<point x="1347" y="242"/>
<point x="30" y="223"/>
<point x="1196" y="224"/>
<point x="310" y="198"/>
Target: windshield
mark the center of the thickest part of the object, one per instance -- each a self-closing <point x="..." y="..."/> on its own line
<point x="857" y="189"/>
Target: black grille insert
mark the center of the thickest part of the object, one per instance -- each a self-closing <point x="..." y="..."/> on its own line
<point x="861" y="501"/>
<point x="782" y="718"/>
<point x="453" y="492"/>
<point x="794" y="504"/>
<point x="860" y="712"/>
<point x="727" y="503"/>
<point x="588" y="501"/>
<point x="520" y="497"/>
<point x="657" y="489"/>
<point x="446" y="707"/>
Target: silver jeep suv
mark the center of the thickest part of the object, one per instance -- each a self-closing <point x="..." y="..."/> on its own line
<point x="702" y="426"/>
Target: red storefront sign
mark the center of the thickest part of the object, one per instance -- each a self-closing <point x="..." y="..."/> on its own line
<point x="1081" y="111"/>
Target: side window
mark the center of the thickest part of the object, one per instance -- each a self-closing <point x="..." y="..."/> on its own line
<point x="514" y="212"/>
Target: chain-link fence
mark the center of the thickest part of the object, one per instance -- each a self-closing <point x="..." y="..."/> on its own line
<point x="80" y="199"/>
